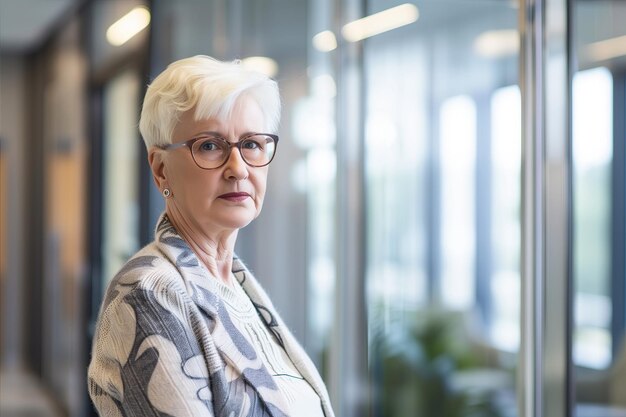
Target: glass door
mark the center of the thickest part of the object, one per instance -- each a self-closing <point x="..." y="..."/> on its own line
<point x="442" y="178"/>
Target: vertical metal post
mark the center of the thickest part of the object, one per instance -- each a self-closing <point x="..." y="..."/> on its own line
<point x="546" y="205"/>
<point x="530" y="386"/>
<point x="558" y="211"/>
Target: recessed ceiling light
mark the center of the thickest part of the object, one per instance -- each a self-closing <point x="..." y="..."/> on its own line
<point x="325" y="41"/>
<point x="128" y="26"/>
<point x="380" y="22"/>
<point x="497" y="43"/>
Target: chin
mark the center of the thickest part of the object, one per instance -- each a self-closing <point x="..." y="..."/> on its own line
<point x="235" y="222"/>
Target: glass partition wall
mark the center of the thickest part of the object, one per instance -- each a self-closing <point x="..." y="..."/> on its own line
<point x="442" y="169"/>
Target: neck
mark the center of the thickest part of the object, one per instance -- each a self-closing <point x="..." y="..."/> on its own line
<point x="214" y="249"/>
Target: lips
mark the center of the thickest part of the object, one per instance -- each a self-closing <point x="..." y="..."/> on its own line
<point x="234" y="196"/>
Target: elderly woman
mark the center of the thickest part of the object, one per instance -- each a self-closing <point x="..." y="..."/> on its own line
<point x="185" y="329"/>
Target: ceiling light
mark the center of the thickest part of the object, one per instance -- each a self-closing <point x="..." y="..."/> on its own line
<point x="261" y="64"/>
<point x="607" y="49"/>
<point x="380" y="22"/>
<point x="497" y="43"/>
<point x="325" y="41"/>
<point x="128" y="26"/>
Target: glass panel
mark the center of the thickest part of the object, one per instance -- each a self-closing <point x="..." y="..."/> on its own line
<point x="598" y="117"/>
<point x="298" y="219"/>
<point x="443" y="139"/>
<point x="121" y="153"/>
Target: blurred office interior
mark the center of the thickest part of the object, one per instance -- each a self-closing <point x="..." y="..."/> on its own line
<point x="444" y="228"/>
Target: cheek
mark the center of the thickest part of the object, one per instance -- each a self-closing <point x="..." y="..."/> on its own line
<point x="261" y="186"/>
<point x="175" y="170"/>
<point x="189" y="184"/>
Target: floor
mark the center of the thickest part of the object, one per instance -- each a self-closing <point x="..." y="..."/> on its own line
<point x="21" y="395"/>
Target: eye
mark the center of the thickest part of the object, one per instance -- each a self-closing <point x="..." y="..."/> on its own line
<point x="209" y="145"/>
<point x="253" y="144"/>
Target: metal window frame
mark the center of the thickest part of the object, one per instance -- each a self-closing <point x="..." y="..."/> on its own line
<point x="545" y="387"/>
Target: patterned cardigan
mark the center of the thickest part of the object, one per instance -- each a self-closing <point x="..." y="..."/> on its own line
<point x="166" y="346"/>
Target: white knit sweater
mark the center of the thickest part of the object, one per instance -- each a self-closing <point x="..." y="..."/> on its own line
<point x="303" y="401"/>
<point x="166" y="345"/>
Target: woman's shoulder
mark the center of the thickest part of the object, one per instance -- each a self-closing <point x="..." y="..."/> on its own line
<point x="147" y="270"/>
<point x="148" y="265"/>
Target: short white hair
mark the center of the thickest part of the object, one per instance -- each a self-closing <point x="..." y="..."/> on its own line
<point x="210" y="86"/>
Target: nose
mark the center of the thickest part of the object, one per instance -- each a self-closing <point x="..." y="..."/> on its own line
<point x="236" y="168"/>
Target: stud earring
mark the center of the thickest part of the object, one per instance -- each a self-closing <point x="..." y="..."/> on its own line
<point x="166" y="192"/>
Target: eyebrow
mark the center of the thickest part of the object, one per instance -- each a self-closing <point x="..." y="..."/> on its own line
<point x="208" y="133"/>
<point x="219" y="135"/>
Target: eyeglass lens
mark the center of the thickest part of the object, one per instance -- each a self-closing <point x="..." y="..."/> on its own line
<point x="211" y="152"/>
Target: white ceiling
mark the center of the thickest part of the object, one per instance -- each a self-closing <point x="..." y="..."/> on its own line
<point x="24" y="23"/>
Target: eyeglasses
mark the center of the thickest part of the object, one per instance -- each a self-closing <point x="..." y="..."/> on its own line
<point x="211" y="151"/>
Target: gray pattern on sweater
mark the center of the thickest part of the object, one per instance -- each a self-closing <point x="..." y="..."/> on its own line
<point x="166" y="346"/>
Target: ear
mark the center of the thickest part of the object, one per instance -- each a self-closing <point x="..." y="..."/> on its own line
<point x="157" y="166"/>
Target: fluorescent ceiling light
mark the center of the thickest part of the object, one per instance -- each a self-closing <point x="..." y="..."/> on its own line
<point x="380" y="22"/>
<point x="325" y="41"/>
<point x="607" y="49"/>
<point x="497" y="43"/>
<point x="261" y="64"/>
<point x="128" y="26"/>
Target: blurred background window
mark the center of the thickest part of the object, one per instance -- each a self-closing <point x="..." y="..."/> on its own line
<point x="457" y="150"/>
<point x="592" y="119"/>
<point x="121" y="173"/>
<point x="504" y="286"/>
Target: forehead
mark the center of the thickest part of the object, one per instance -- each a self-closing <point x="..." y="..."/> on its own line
<point x="246" y="117"/>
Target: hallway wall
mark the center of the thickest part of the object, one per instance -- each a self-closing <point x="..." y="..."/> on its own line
<point x="12" y="190"/>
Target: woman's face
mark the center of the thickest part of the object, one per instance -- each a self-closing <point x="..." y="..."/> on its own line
<point x="202" y="196"/>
